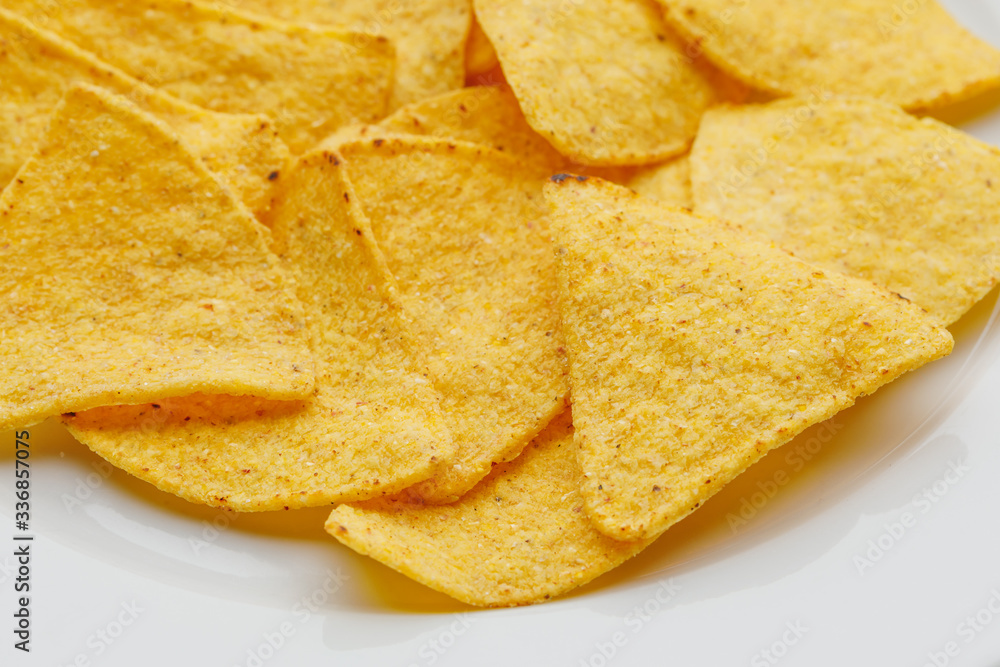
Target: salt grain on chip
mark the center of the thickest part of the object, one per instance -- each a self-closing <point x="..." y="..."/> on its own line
<point x="695" y="349"/>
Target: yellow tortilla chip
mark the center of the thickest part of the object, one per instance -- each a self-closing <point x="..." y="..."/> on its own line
<point x="429" y="35"/>
<point x="519" y="537"/>
<point x="310" y="80"/>
<point x="695" y="349"/>
<point x="669" y="182"/>
<point x="372" y="426"/>
<point x="480" y="56"/>
<point x="37" y="68"/>
<point x="605" y="81"/>
<point x="913" y="54"/>
<point x="130" y="274"/>
<point x="485" y="115"/>
<point x="859" y="186"/>
<point x="464" y="232"/>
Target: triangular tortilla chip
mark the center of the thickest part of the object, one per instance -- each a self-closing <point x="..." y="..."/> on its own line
<point x="861" y="187"/>
<point x="695" y="349"/>
<point x="131" y="274"/>
<point x="913" y="54"/>
<point x="37" y="67"/>
<point x="373" y="425"/>
<point x="429" y="36"/>
<point x="485" y="115"/>
<point x="520" y="537"/>
<point x="310" y="80"/>
<point x="669" y="182"/>
<point x="605" y="81"/>
<point x="464" y="232"/>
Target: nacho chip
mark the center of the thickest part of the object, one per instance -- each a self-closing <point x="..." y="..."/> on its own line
<point x="485" y="115"/>
<point x="310" y="80"/>
<point x="130" y="274"/>
<point x="371" y="427"/>
<point x="429" y="35"/>
<point x="695" y="349"/>
<point x="37" y="67"/>
<point x="859" y="186"/>
<point x="913" y="54"/>
<point x="669" y="182"/>
<point x="605" y="81"/>
<point x="464" y="232"/>
<point x="519" y="537"/>
<point x="480" y="56"/>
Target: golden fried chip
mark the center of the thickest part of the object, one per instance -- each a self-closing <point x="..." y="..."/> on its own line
<point x="480" y="56"/>
<point x="429" y="35"/>
<point x="310" y="80"/>
<point x="669" y="182"/>
<point x="372" y="426"/>
<point x="37" y="67"/>
<point x="605" y="81"/>
<point x="130" y="274"/>
<point x="696" y="348"/>
<point x="913" y="54"/>
<point x="464" y="232"/>
<point x="519" y="537"/>
<point x="861" y="187"/>
<point x="485" y="115"/>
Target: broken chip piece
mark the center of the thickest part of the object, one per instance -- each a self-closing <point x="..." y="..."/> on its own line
<point x="309" y="79"/>
<point x="520" y="537"/>
<point x="597" y="101"/>
<point x="912" y="54"/>
<point x="373" y="425"/>
<point x="858" y="186"/>
<point x="669" y="182"/>
<point x="131" y="274"/>
<point x="695" y="349"/>
<point x="37" y="68"/>
<point x="463" y="230"/>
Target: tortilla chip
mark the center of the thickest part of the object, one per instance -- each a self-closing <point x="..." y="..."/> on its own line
<point x="913" y="54"/>
<point x="464" y="232"/>
<point x="859" y="186"/>
<point x="519" y="537"/>
<point x="605" y="81"/>
<point x="485" y="115"/>
<point x="130" y="274"/>
<point x="669" y="182"/>
<point x="429" y="35"/>
<point x="37" y="68"/>
<point x="480" y="56"/>
<point x="695" y="349"/>
<point x="372" y="426"/>
<point x="310" y="80"/>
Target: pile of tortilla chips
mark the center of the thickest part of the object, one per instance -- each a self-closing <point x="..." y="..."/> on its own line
<point x="515" y="287"/>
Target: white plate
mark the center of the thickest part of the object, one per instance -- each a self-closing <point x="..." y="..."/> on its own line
<point x="871" y="540"/>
